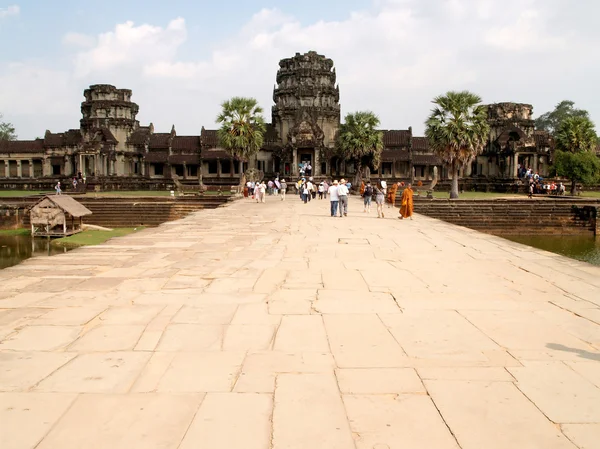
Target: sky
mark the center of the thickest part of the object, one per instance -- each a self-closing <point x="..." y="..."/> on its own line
<point x="182" y="59"/>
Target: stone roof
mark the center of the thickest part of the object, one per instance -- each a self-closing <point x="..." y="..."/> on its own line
<point x="22" y="146"/>
<point x="209" y="137"/>
<point x="420" y="143"/>
<point x="184" y="158"/>
<point x="140" y="136"/>
<point x="426" y="159"/>
<point x="160" y="140"/>
<point x="157" y="157"/>
<point x="396" y="138"/>
<point x="395" y="154"/>
<point x="69" y="138"/>
<point x="543" y="139"/>
<point x="186" y="143"/>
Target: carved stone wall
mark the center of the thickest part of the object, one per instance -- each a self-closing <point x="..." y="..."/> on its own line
<point x="509" y="120"/>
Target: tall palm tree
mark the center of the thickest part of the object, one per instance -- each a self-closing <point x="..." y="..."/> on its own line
<point x="457" y="130"/>
<point x="360" y="142"/>
<point x="242" y="127"/>
<point x="575" y="158"/>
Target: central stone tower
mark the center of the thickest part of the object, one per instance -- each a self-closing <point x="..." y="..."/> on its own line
<point x="105" y="106"/>
<point x="306" y="113"/>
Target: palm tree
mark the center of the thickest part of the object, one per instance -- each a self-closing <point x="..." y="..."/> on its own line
<point x="359" y="141"/>
<point x="242" y="128"/>
<point x="457" y="130"/>
<point x="575" y="158"/>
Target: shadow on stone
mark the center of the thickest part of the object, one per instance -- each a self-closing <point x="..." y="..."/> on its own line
<point x="582" y="353"/>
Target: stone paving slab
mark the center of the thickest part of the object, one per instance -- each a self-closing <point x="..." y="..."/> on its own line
<point x="272" y="326"/>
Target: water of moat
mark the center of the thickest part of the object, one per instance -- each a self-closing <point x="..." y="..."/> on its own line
<point x="585" y="248"/>
<point x="16" y="248"/>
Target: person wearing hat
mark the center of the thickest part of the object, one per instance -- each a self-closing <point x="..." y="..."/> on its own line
<point x="334" y="199"/>
<point x="342" y="192"/>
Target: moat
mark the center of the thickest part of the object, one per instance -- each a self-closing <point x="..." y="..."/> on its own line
<point x="16" y="248"/>
<point x="584" y="248"/>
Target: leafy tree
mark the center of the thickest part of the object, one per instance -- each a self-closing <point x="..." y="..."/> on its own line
<point x="242" y="127"/>
<point x="360" y="142"/>
<point x="457" y="130"/>
<point x="575" y="156"/>
<point x="7" y="130"/>
<point x="551" y="121"/>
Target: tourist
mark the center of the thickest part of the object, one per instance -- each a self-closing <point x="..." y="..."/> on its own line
<point x="367" y="197"/>
<point x="334" y="198"/>
<point x="74" y="184"/>
<point x="530" y="191"/>
<point x="308" y="169"/>
<point x="342" y="192"/>
<point x="321" y="190"/>
<point x="313" y="190"/>
<point x="325" y="188"/>
<point x="250" y="189"/>
<point x="380" y="198"/>
<point x="305" y="192"/>
<point x="362" y="188"/>
<point x="57" y="188"/>
<point x="256" y="191"/>
<point x="270" y="186"/>
<point x="283" y="187"/>
<point x="406" y="204"/>
<point x="277" y="186"/>
<point x="561" y="188"/>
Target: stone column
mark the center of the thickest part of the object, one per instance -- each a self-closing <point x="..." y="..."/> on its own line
<point x="7" y="168"/>
<point x="317" y="164"/>
<point x="295" y="162"/>
<point x="393" y="168"/>
<point x="31" y="174"/>
<point x="514" y="165"/>
<point x="218" y="168"/>
<point x="184" y="170"/>
<point x="535" y="163"/>
<point x="19" y="169"/>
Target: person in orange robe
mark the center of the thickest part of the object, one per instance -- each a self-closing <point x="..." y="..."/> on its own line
<point x="392" y="194"/>
<point x="362" y="188"/>
<point x="406" y="207"/>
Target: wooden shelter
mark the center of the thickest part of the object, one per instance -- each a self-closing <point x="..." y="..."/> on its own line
<point x="52" y="215"/>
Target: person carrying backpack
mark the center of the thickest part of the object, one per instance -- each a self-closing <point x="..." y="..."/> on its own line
<point x="367" y="197"/>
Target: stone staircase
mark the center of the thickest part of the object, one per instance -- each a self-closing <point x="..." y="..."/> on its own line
<point x="499" y="216"/>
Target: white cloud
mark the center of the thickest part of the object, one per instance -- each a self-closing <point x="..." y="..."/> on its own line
<point x="392" y="58"/>
<point x="79" y="40"/>
<point x="12" y="10"/>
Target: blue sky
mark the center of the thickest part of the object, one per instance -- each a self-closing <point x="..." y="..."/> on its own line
<point x="183" y="58"/>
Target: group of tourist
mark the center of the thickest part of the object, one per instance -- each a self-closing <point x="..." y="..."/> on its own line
<point x="545" y="188"/>
<point x="260" y="189"/>
<point x="380" y="192"/>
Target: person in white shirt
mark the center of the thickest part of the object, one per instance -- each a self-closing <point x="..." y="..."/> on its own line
<point x="310" y="187"/>
<point x="342" y="192"/>
<point x="334" y="199"/>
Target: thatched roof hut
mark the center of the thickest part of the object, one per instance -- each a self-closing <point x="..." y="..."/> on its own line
<point x="51" y="215"/>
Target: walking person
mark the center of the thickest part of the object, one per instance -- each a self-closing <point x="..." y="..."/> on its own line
<point x="406" y="205"/>
<point x="283" y="189"/>
<point x="342" y="192"/>
<point x="334" y="199"/>
<point x="367" y="197"/>
<point x="310" y="187"/>
<point x="325" y="188"/>
<point x="57" y="188"/>
<point x="305" y="192"/>
<point x="263" y="191"/>
<point x="321" y="191"/>
<point x="380" y="198"/>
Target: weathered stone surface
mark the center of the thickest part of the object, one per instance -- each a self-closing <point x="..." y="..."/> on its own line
<point x="379" y="381"/>
<point x="309" y="413"/>
<point x="232" y="421"/>
<point x="41" y="338"/>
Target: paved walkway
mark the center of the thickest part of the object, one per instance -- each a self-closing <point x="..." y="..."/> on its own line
<point x="273" y="325"/>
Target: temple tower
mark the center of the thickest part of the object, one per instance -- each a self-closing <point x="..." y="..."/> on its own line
<point x="306" y="113"/>
<point x="105" y="106"/>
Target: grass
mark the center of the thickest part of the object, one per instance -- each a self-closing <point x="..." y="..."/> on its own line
<point x="8" y="193"/>
<point x="93" y="237"/>
<point x="9" y="232"/>
<point x="590" y="194"/>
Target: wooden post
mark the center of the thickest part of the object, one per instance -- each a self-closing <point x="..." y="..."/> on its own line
<point x="65" y="226"/>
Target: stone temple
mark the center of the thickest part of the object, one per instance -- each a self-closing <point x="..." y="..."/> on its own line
<point x="111" y="147"/>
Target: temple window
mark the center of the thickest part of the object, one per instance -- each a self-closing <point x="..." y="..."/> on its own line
<point x="386" y="168"/>
<point x="178" y="170"/>
<point x="56" y="169"/>
<point x="225" y="166"/>
<point x="212" y="167"/>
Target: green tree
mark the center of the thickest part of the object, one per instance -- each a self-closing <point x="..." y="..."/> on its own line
<point x="551" y="121"/>
<point x="7" y="130"/>
<point x="575" y="156"/>
<point x="242" y="127"/>
<point x="457" y="130"/>
<point x="360" y="142"/>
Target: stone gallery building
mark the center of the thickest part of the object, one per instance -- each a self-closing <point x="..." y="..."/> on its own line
<point x="305" y="119"/>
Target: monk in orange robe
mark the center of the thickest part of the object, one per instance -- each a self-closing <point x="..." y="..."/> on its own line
<point x="392" y="194"/>
<point x="406" y="206"/>
<point x="362" y="188"/>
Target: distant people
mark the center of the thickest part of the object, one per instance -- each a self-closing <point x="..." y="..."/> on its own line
<point x="283" y="189"/>
<point x="342" y="192"/>
<point x="277" y="185"/>
<point x="310" y="187"/>
<point x="334" y="198"/>
<point x="367" y="197"/>
<point x="270" y="186"/>
<point x="325" y="188"/>
<point x="406" y="205"/>
<point x="57" y="188"/>
<point x="561" y="189"/>
<point x="380" y="198"/>
<point x="308" y="169"/>
<point x="249" y="190"/>
<point x="304" y="192"/>
<point x="74" y="184"/>
<point x="321" y="190"/>
<point x="531" y="188"/>
<point x="262" y="191"/>
<point x="393" y="190"/>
